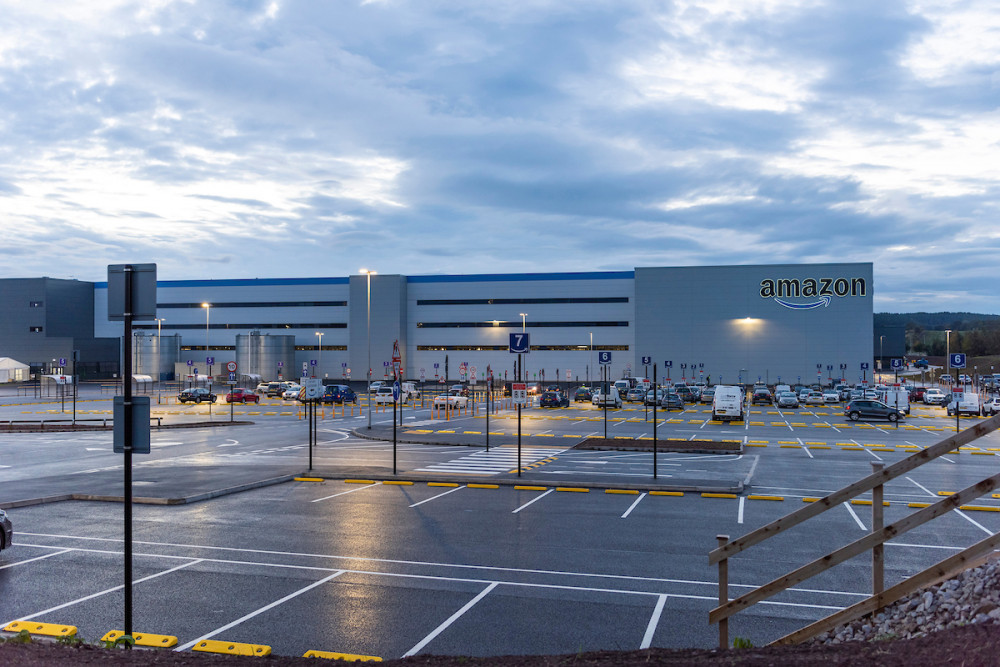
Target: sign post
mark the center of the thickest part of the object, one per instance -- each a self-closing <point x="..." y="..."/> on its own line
<point x="519" y="344"/>
<point x="604" y="359"/>
<point x="131" y="294"/>
<point x="519" y="394"/>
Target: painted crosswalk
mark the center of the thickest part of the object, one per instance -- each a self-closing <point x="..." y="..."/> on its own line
<point x="494" y="462"/>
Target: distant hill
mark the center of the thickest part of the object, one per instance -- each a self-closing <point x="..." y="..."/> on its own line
<point x="937" y="321"/>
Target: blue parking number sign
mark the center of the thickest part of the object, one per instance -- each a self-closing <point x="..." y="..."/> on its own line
<point x="604" y="357"/>
<point x="520" y="343"/>
<point x="668" y="364"/>
<point x="895" y="363"/>
<point x="647" y="361"/>
<point x="864" y="365"/>
<point x="958" y="360"/>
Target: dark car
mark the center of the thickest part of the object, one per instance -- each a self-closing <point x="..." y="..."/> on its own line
<point x="6" y="531"/>
<point x="868" y="409"/>
<point x="921" y="363"/>
<point x="583" y="394"/>
<point x="339" y="394"/>
<point x="196" y="395"/>
<point x="239" y="395"/>
<point x="761" y="395"/>
<point x="917" y="394"/>
<point x="672" y="401"/>
<point x="275" y="389"/>
<point x="553" y="399"/>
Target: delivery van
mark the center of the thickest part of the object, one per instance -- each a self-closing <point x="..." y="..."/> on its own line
<point x="895" y="396"/>
<point x="727" y="404"/>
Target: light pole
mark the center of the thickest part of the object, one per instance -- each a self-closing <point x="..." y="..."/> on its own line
<point x="369" y="329"/>
<point x="208" y="308"/>
<point x="319" y="368"/>
<point x="520" y="357"/>
<point x="947" y="351"/>
<point x="591" y="356"/>
<point x="159" y="322"/>
<point x="881" y="339"/>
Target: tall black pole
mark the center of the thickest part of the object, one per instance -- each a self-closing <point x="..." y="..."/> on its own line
<point x="604" y="395"/>
<point x="394" y="401"/>
<point x="127" y="445"/>
<point x="489" y="390"/>
<point x="655" y="401"/>
<point x="519" y="371"/>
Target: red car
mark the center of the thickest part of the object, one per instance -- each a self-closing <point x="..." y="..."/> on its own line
<point x="242" y="396"/>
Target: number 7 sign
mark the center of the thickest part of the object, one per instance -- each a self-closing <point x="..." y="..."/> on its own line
<point x="520" y="343"/>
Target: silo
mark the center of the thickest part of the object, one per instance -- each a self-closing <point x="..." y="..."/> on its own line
<point x="266" y="355"/>
<point x="155" y="355"/>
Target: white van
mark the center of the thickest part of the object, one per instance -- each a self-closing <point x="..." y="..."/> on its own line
<point x="964" y="403"/>
<point x="409" y="392"/>
<point x="727" y="404"/>
<point x="895" y="397"/>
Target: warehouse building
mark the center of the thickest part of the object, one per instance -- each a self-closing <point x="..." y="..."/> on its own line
<point x="723" y="323"/>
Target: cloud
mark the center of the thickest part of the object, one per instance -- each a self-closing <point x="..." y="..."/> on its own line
<point x="508" y="136"/>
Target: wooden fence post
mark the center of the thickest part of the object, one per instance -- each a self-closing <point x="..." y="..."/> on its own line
<point x="723" y="593"/>
<point x="878" y="551"/>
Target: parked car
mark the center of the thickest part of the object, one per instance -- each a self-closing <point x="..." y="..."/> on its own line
<point x="6" y="531"/>
<point x="339" y="394"/>
<point x="761" y="395"/>
<point x="196" y="395"/>
<point x="992" y="406"/>
<point x="707" y="394"/>
<point x="653" y="397"/>
<point x="814" y="398"/>
<point x="964" y="403"/>
<point x="945" y="379"/>
<point x="636" y="394"/>
<point x="262" y="388"/>
<point x="464" y="390"/>
<point x="921" y="363"/>
<point x="831" y="396"/>
<point x="583" y="393"/>
<point x="727" y="404"/>
<point x="384" y="395"/>
<point x="788" y="399"/>
<point x="611" y="399"/>
<point x="917" y="394"/>
<point x="553" y="399"/>
<point x="686" y="392"/>
<point x="672" y="401"/>
<point x="291" y="392"/>
<point x="933" y="396"/>
<point x="452" y="399"/>
<point x="240" y="395"/>
<point x="866" y="409"/>
<point x="275" y="389"/>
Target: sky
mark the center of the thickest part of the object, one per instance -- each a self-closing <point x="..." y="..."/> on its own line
<point x="268" y="139"/>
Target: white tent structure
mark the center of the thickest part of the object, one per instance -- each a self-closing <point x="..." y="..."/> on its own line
<point x="12" y="370"/>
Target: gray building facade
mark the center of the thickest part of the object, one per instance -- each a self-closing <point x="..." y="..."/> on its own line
<point x="774" y="323"/>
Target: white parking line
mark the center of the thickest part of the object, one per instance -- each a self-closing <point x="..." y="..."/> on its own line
<point x="632" y="506"/>
<point x="856" y="517"/>
<point x="533" y="500"/>
<point x="451" y="619"/>
<point x="29" y="560"/>
<point x="958" y="512"/>
<point x="438" y="496"/>
<point x="252" y="614"/>
<point x="654" y="620"/>
<point x="804" y="448"/>
<point x="193" y="561"/>
<point x="739" y="512"/>
<point x="344" y="493"/>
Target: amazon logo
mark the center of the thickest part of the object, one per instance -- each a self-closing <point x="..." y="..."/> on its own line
<point x="820" y="291"/>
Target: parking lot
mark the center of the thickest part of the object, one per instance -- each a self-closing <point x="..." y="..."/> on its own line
<point x="450" y="555"/>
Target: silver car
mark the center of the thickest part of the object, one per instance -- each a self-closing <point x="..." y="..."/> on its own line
<point x="6" y="531"/>
<point x="788" y="399"/>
